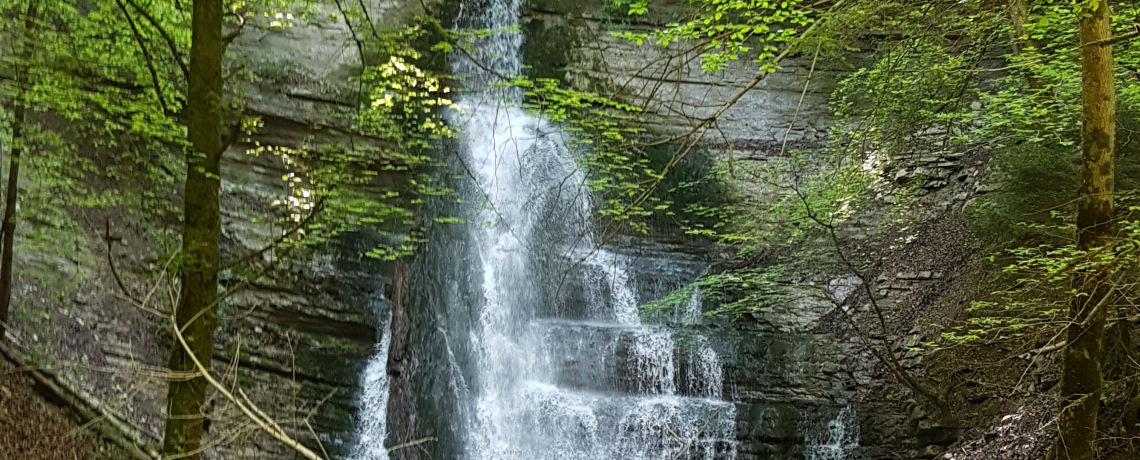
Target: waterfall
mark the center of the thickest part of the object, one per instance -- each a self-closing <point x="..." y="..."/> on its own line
<point x="692" y="312"/>
<point x="706" y="376"/>
<point x="544" y="386"/>
<point x="374" y="399"/>
<point x="832" y="439"/>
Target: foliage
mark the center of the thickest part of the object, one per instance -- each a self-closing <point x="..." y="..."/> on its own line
<point x="1037" y="302"/>
<point x="735" y="293"/>
<point x="598" y="131"/>
<point x="1038" y="183"/>
<point x="92" y="71"/>
<point x="915" y="94"/>
<point x="329" y="188"/>
<point x="1049" y="113"/>
<point x="752" y="220"/>
<point x="727" y="29"/>
<point x="921" y="93"/>
<point x="1032" y="121"/>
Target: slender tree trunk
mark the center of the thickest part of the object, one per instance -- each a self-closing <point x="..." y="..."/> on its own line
<point x="1079" y="397"/>
<point x="19" y="144"/>
<point x="196" y="312"/>
<point x="1018" y="15"/>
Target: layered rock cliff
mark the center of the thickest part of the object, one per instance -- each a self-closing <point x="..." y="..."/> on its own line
<point x="298" y="340"/>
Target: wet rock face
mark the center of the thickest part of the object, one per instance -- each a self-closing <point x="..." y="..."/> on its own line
<point x="788" y="383"/>
<point x="302" y="335"/>
<point x="792" y="389"/>
<point x="301" y="338"/>
<point x="305" y="72"/>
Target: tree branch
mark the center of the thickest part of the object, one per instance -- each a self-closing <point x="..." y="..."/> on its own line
<point x="165" y="36"/>
<point x="1117" y="39"/>
<point x="251" y="411"/>
<point x="146" y="56"/>
<point x="893" y="362"/>
<point x="411" y="444"/>
<point x="300" y="225"/>
<point x="111" y="262"/>
<point x="752" y="84"/>
<point x="711" y="120"/>
<point x="232" y="35"/>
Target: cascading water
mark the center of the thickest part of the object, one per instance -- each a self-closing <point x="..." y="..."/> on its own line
<point x="373" y="398"/>
<point x="833" y="439"/>
<point x="373" y="401"/>
<point x="598" y="385"/>
<point x="520" y="337"/>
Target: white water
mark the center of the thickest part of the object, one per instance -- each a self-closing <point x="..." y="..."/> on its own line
<point x="834" y="439"/>
<point x="692" y="313"/>
<point x="373" y="402"/>
<point x="704" y="366"/>
<point x="557" y="389"/>
<point x="603" y="387"/>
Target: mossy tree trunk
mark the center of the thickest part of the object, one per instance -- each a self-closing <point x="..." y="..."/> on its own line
<point x="196" y="313"/>
<point x="19" y="145"/>
<point x="1080" y="392"/>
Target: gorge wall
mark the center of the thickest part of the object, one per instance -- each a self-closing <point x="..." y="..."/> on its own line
<point x="300" y="340"/>
<point x="804" y="388"/>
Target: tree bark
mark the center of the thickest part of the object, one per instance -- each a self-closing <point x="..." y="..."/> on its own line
<point x="1080" y="392"/>
<point x="19" y="144"/>
<point x="196" y="312"/>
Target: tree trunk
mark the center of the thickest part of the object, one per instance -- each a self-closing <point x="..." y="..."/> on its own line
<point x="196" y="311"/>
<point x="19" y="144"/>
<point x="1079" y="397"/>
<point x="1018" y="15"/>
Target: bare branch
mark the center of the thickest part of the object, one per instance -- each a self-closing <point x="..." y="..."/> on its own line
<point x="232" y="35"/>
<point x="412" y="444"/>
<point x="255" y="414"/>
<point x="111" y="262"/>
<point x="146" y="56"/>
<point x="165" y="36"/>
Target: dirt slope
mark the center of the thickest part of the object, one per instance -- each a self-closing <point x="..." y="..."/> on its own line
<point x="33" y="427"/>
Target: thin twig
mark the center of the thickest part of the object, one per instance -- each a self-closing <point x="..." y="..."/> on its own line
<point x="412" y="443"/>
<point x="111" y="262"/>
<point x="165" y="36"/>
<point x="146" y="57"/>
<point x="256" y="415"/>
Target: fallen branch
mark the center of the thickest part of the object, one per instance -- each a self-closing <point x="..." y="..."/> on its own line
<point x="115" y="429"/>
<point x="251" y="411"/>
<point x="1046" y="349"/>
<point x="411" y="444"/>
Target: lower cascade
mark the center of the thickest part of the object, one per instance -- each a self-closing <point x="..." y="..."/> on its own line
<point x="832" y="439"/>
